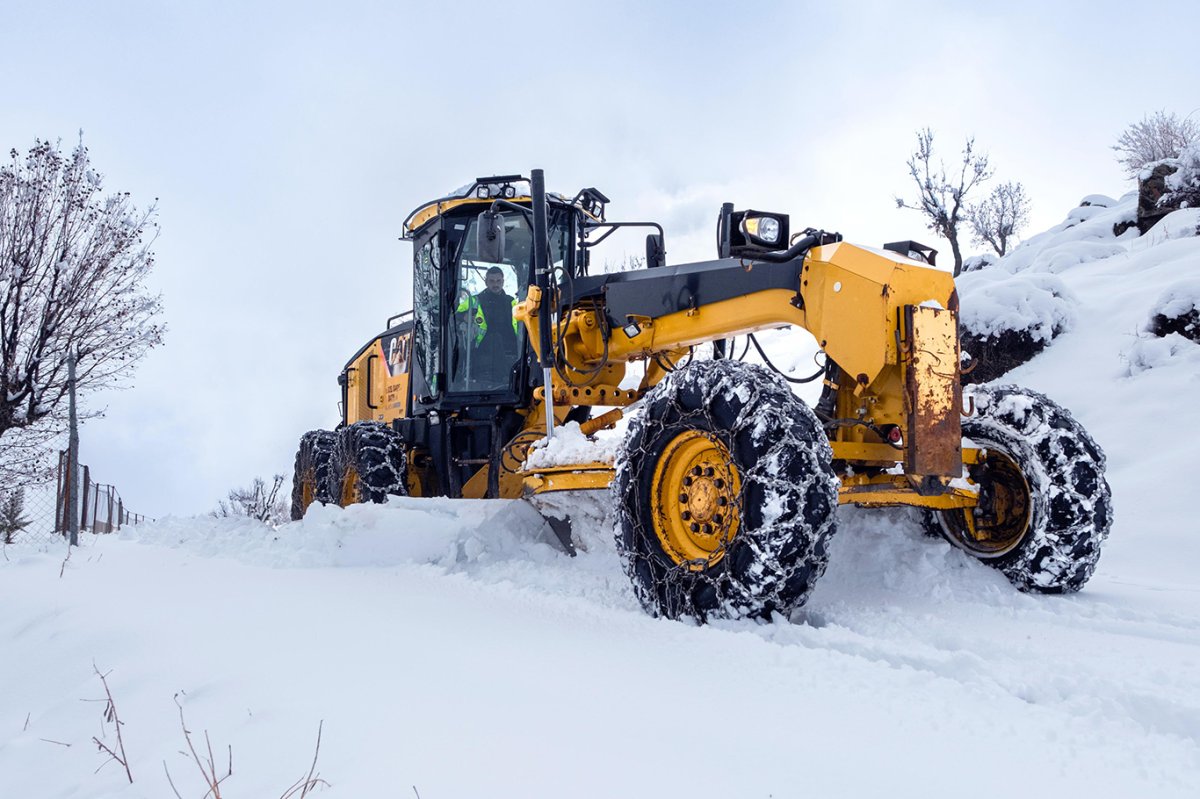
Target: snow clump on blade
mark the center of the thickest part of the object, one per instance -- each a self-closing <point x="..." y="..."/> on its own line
<point x="570" y="446"/>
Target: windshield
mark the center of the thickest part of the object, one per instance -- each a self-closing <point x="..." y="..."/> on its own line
<point x="486" y="341"/>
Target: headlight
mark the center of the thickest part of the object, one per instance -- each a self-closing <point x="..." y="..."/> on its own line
<point x="744" y="233"/>
<point x="763" y="228"/>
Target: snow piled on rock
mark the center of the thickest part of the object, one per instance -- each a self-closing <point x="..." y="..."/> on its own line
<point x="1154" y="351"/>
<point x="1183" y="185"/>
<point x="1180" y="299"/>
<point x="994" y="301"/>
<point x="1025" y="290"/>
<point x="1020" y="292"/>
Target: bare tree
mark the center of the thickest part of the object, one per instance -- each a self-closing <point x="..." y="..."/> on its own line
<point x="72" y="268"/>
<point x="940" y="198"/>
<point x="26" y="453"/>
<point x="256" y="502"/>
<point x="997" y="220"/>
<point x="1156" y="137"/>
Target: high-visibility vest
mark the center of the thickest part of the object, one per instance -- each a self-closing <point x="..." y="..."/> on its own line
<point x="469" y="304"/>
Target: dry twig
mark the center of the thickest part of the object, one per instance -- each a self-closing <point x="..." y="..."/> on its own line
<point x="208" y="766"/>
<point x="208" y="770"/>
<point x="313" y="780"/>
<point x="110" y="716"/>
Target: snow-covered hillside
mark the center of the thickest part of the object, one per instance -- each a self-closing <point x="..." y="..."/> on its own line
<point x="448" y="650"/>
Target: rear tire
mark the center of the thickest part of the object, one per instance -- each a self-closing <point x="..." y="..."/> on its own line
<point x="725" y="495"/>
<point x="370" y="464"/>
<point x="312" y="480"/>
<point x="1050" y="505"/>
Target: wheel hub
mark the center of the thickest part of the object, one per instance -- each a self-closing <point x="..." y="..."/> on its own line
<point x="1000" y="520"/>
<point x="694" y="501"/>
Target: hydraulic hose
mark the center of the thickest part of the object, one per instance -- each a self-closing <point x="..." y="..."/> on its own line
<point x="813" y="238"/>
<point x="795" y="251"/>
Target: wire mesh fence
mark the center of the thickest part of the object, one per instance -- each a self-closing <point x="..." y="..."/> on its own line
<point x="39" y="513"/>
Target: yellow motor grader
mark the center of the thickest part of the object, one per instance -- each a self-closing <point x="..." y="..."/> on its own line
<point x="726" y="486"/>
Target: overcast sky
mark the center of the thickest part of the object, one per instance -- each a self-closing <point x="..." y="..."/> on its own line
<point x="286" y="142"/>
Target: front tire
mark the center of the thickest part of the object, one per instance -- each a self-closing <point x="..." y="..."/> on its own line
<point x="312" y="480"/>
<point x="370" y="464"/>
<point x="725" y="495"/>
<point x="1045" y="506"/>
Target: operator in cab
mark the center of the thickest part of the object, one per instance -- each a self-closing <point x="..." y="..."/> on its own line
<point x="490" y="333"/>
<point x="499" y="343"/>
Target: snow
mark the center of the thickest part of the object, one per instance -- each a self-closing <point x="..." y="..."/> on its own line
<point x="994" y="301"/>
<point x="569" y="446"/>
<point x="447" y="648"/>
<point x="1184" y="182"/>
<point x="1025" y="290"/>
<point x="1181" y="298"/>
<point x="1151" y="352"/>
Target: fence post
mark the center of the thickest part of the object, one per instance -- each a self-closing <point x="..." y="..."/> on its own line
<point x="83" y="507"/>
<point x="120" y="513"/>
<point x="60" y="515"/>
<point x="73" y="452"/>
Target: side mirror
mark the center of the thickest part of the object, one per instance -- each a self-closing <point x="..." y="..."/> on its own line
<point x="489" y="237"/>
<point x="656" y="251"/>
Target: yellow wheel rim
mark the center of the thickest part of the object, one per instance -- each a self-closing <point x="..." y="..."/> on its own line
<point x="349" y="486"/>
<point x="694" y="500"/>
<point x="308" y="489"/>
<point x="997" y="526"/>
<point x="413" y="482"/>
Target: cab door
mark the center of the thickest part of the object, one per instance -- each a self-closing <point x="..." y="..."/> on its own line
<point x="429" y="311"/>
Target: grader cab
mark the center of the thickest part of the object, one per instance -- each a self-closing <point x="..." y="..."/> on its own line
<point x="725" y="490"/>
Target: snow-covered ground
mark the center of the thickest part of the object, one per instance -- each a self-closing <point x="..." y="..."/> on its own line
<point x="447" y="650"/>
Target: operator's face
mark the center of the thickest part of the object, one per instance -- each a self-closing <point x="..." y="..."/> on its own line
<point x="495" y="283"/>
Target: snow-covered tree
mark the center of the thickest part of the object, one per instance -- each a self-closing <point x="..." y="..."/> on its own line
<point x="12" y="514"/>
<point x="73" y="264"/>
<point x="256" y="502"/>
<point x="1156" y="137"/>
<point x="941" y="198"/>
<point x="997" y="220"/>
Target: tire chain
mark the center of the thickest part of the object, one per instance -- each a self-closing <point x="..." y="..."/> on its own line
<point x="1064" y="466"/>
<point x="377" y="454"/>
<point x="316" y="452"/>
<point x="780" y="549"/>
